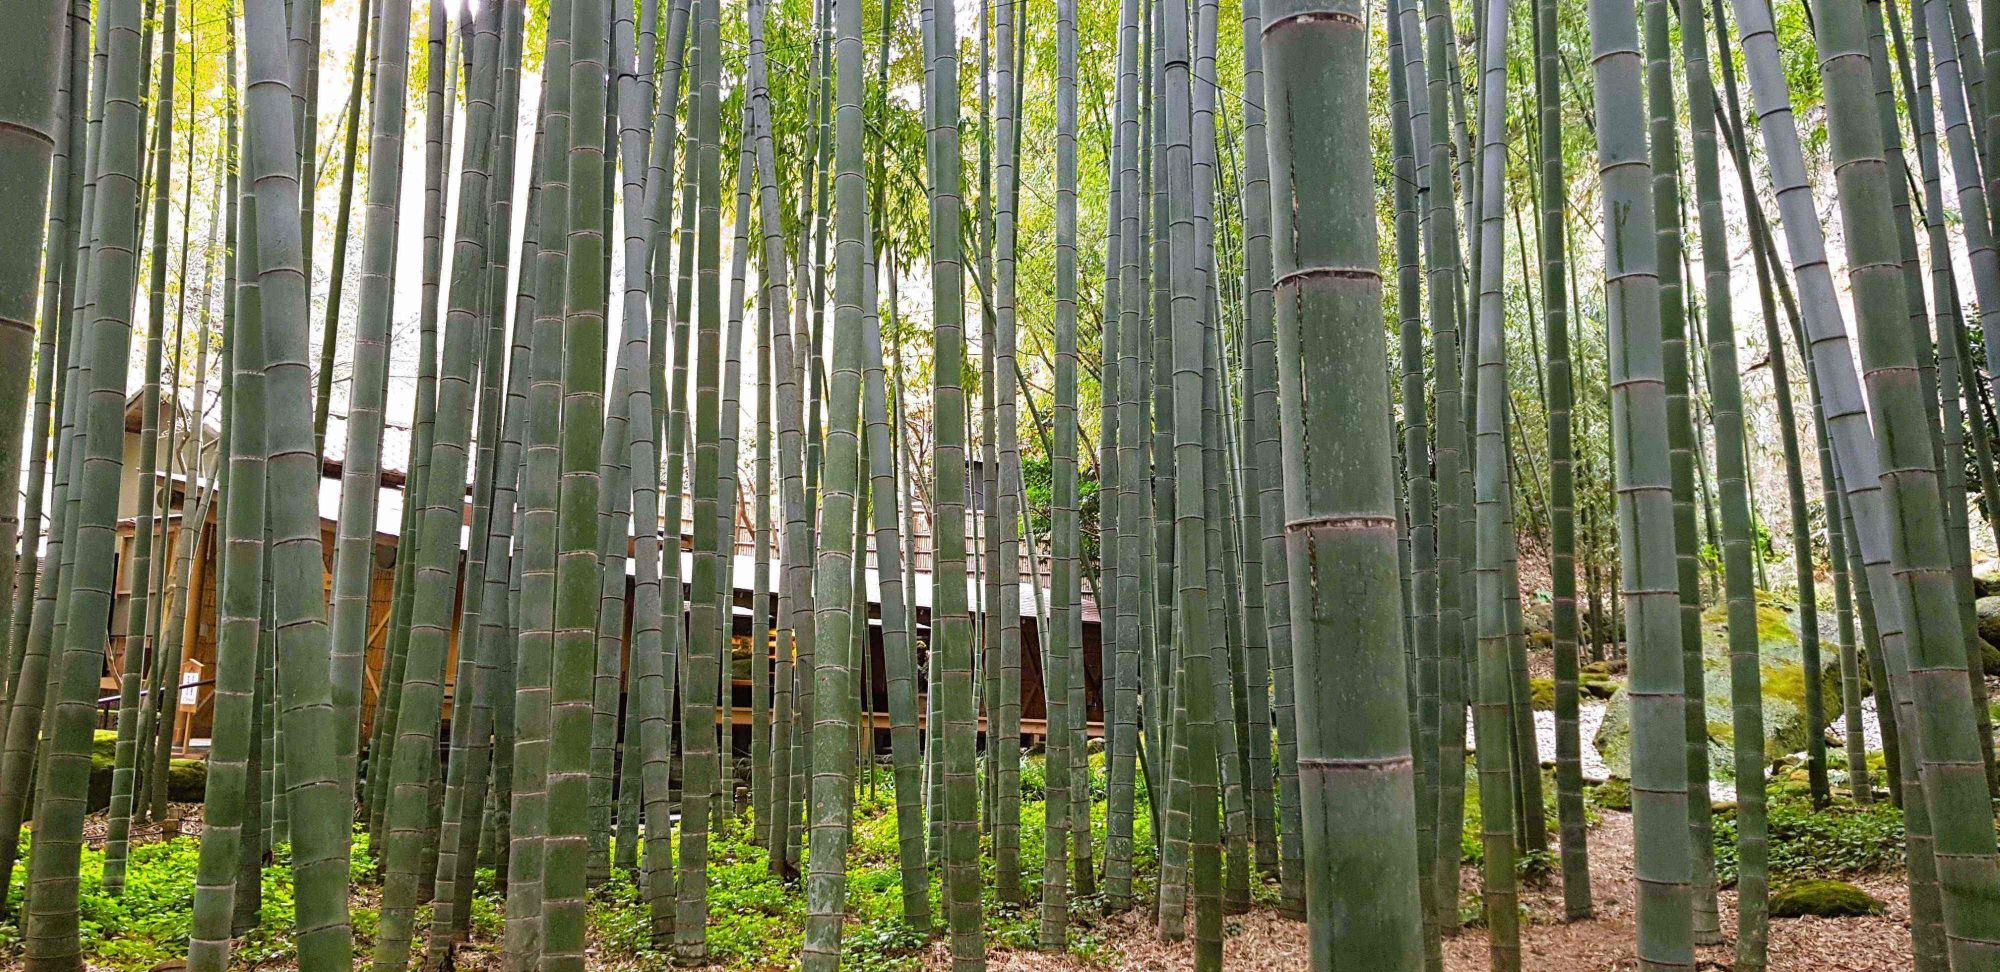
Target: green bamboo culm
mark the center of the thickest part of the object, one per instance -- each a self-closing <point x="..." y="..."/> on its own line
<point x="354" y="553"/>
<point x="898" y="641"/>
<point x="793" y="602"/>
<point x="726" y="805"/>
<point x="51" y="920"/>
<point x="1725" y="387"/>
<point x="1274" y="801"/>
<point x="1355" y="773"/>
<point x="770" y="770"/>
<point x="1003" y="706"/>
<point x="1948" y="753"/>
<point x="414" y="754"/>
<point x="1228" y="657"/>
<point x="1552" y="189"/>
<point x="318" y="805"/>
<point x="197" y="502"/>
<point x="543" y="280"/>
<point x="573" y="668"/>
<point x="1493" y="706"/>
<point x="1065" y="587"/>
<point x="704" y="642"/>
<point x="390" y="696"/>
<point x="1197" y="796"/>
<point x="137" y="641"/>
<point x="468" y="771"/>
<point x="1979" y="244"/>
<point x="833" y="735"/>
<point x="63" y="265"/>
<point x="951" y="622"/>
<point x="1419" y="499"/>
<point x="643" y="202"/>
<point x="229" y="800"/>
<point x="1445" y="277"/>
<point x="1662" y="855"/>
<point x="1664" y="147"/>
<point x="1123" y="745"/>
<point x="1854" y="446"/>
<point x="1430" y="584"/>
<point x="1943" y="385"/>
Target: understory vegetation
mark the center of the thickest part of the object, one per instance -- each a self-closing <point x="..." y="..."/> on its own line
<point x="757" y="921"/>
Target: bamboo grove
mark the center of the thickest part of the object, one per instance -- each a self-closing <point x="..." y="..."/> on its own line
<point x="576" y="432"/>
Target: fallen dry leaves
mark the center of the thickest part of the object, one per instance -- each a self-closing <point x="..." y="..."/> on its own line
<point x="1260" y="940"/>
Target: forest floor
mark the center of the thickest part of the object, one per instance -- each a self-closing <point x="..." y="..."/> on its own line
<point x="1261" y="940"/>
<point x="756" y="920"/>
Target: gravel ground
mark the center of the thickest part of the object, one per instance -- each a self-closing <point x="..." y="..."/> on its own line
<point x="1589" y="715"/>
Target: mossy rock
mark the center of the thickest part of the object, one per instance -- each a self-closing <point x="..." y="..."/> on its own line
<point x="1542" y="691"/>
<point x="1597" y="686"/>
<point x="1823" y="899"/>
<point x="1541" y="694"/>
<point x="1537" y="618"/>
<point x="187" y="779"/>
<point x="1782" y="663"/>
<point x="1612" y="794"/>
<point x="103" y="758"/>
<point x="1988" y="609"/>
<point x="1986" y="578"/>
<point x="1604" y="669"/>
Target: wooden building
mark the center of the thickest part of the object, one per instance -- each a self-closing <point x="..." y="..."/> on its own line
<point x="199" y="635"/>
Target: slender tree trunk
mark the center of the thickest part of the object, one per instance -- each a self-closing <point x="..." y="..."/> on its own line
<point x="51" y="905"/>
<point x="1644" y="497"/>
<point x="541" y="307"/>
<point x="354" y="557"/>
<point x="572" y="683"/>
<point x="437" y="551"/>
<point x="1725" y="384"/>
<point x="951" y="622"/>
<point x="1552" y="191"/>
<point x="343" y="214"/>
<point x="1128" y="484"/>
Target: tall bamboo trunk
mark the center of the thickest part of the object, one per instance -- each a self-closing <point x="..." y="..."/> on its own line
<point x="542" y="310"/>
<point x="1645" y="499"/>
<point x="51" y="907"/>
<point x="1553" y="189"/>
<point x="1725" y="384"/>
<point x="1355" y="772"/>
<point x="1125" y="642"/>
<point x="406" y="860"/>
<point x="951" y="623"/>
<point x="354" y="557"/>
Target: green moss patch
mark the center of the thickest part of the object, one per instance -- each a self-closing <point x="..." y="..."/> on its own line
<point x="1823" y="899"/>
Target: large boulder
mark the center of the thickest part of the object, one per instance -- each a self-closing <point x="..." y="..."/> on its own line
<point x="1986" y="577"/>
<point x="1786" y="728"/>
<point x="1988" y="609"/>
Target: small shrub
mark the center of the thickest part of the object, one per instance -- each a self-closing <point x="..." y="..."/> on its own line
<point x="1839" y="840"/>
<point x="1612" y="794"/>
